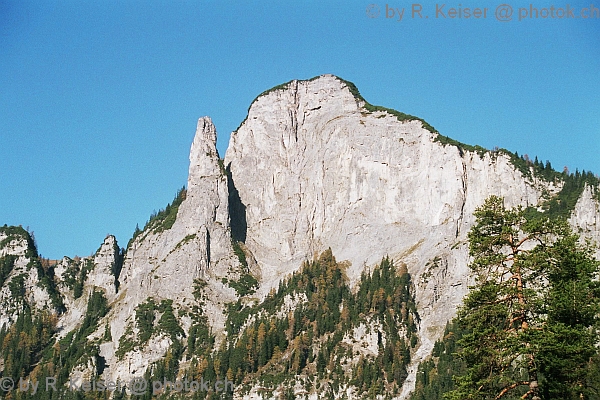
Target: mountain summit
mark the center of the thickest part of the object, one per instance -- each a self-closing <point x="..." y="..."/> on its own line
<point x="320" y="194"/>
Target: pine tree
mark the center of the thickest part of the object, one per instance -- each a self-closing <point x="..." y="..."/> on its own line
<point x="567" y="342"/>
<point x="534" y="290"/>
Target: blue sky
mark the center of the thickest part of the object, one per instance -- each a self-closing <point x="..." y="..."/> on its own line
<point x="99" y="100"/>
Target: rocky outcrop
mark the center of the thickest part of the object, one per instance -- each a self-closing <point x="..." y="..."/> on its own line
<point x="164" y="262"/>
<point x="107" y="262"/>
<point x="312" y="167"/>
<point x="21" y="274"/>
<point x="586" y="217"/>
<point x="327" y="172"/>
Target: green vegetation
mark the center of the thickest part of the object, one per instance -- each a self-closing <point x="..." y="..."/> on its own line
<point x="239" y="252"/>
<point x="146" y="315"/>
<point x="371" y="108"/>
<point x="277" y="348"/>
<point x="462" y="147"/>
<point x="24" y="342"/>
<point x="76" y="274"/>
<point x="434" y="376"/>
<point x="222" y="168"/>
<point x="529" y="326"/>
<point x="12" y="233"/>
<point x="354" y="90"/>
<point x="144" y="318"/>
<point x="561" y="205"/>
<point x="282" y="86"/>
<point x="45" y="357"/>
<point x="247" y="284"/>
<point x="168" y="323"/>
<point x="573" y="184"/>
<point x="274" y="346"/>
<point x="163" y="219"/>
<point x="6" y="266"/>
<point x="45" y="275"/>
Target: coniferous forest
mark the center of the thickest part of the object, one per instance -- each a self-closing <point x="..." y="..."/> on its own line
<point x="528" y="329"/>
<point x="312" y="329"/>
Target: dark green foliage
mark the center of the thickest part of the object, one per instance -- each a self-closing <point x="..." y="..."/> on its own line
<point x="371" y="108"/>
<point x="136" y="233"/>
<point x="567" y="344"/>
<point x="24" y="342"/>
<point x="146" y="322"/>
<point x="144" y="318"/>
<point x="15" y="232"/>
<point x="281" y="86"/>
<point x="118" y="264"/>
<point x="239" y="252"/>
<point x="573" y="185"/>
<point x="528" y="326"/>
<point x="45" y="275"/>
<point x="522" y="163"/>
<point x="17" y="287"/>
<point x="222" y="168"/>
<point x="126" y="343"/>
<point x="6" y="266"/>
<point x="246" y="285"/>
<point x="46" y="281"/>
<point x="462" y="147"/>
<point x="168" y="322"/>
<point x="75" y="348"/>
<point x="434" y="376"/>
<point x="276" y="350"/>
<point x="163" y="219"/>
<point x="76" y="274"/>
<point x="200" y="340"/>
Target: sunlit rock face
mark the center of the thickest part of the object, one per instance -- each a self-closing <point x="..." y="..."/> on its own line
<point x="311" y="167"/>
<point x="164" y="262"/>
<point x="314" y="169"/>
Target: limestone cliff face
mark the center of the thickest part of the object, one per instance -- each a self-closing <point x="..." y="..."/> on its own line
<point x="310" y="168"/>
<point x="164" y="262"/>
<point x="586" y="217"/>
<point x="315" y="169"/>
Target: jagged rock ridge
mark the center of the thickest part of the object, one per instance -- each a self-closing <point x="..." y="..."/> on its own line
<point x="312" y="167"/>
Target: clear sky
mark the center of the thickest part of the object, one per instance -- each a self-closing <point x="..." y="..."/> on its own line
<point x="99" y="100"/>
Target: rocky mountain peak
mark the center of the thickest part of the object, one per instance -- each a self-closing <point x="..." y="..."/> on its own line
<point x="13" y="241"/>
<point x="203" y="154"/>
<point x="313" y="169"/>
<point x="107" y="264"/>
